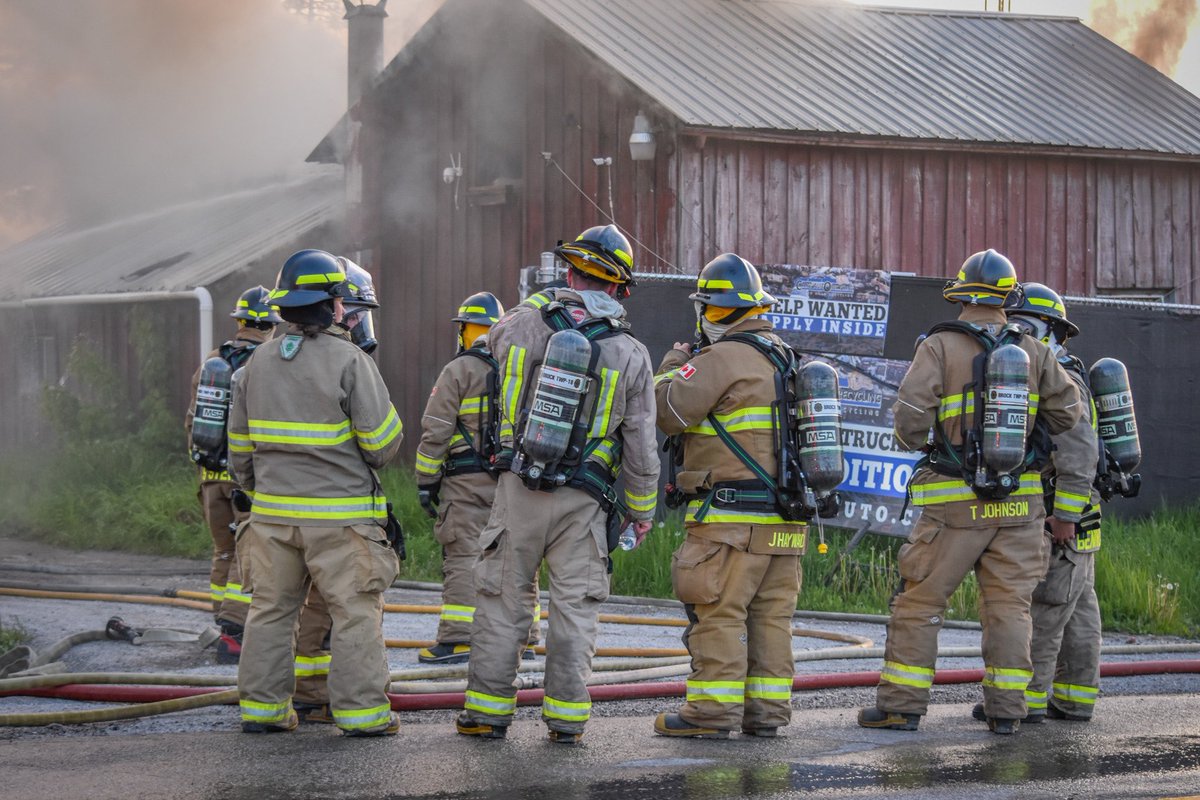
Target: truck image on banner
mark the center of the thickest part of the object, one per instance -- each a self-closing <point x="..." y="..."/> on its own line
<point x="839" y="316"/>
<point x="829" y="309"/>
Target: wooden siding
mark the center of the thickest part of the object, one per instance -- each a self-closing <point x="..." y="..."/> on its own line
<point x="1083" y="226"/>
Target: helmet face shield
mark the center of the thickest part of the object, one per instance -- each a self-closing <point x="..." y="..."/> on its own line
<point x="361" y="324"/>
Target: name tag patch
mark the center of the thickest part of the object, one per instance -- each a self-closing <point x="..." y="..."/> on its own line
<point x="778" y="540"/>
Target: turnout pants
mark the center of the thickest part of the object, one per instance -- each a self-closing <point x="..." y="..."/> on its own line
<point x="565" y="527"/>
<point x="466" y="503"/>
<point x="1008" y="562"/>
<point x="1066" y="636"/>
<point x="352" y="565"/>
<point x="230" y="600"/>
<point x="739" y="634"/>
<point x="312" y="650"/>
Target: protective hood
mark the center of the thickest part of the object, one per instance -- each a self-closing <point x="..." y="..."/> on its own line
<point x="601" y="305"/>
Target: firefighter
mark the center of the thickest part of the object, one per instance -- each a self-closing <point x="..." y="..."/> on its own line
<point x="456" y="479"/>
<point x="256" y="321"/>
<point x="1066" y="615"/>
<point x="567" y="524"/>
<point x="965" y="526"/>
<point x="736" y="575"/>
<point x="311" y="700"/>
<point x="311" y="418"/>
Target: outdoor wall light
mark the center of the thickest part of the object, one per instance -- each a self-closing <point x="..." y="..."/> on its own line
<point x="641" y="141"/>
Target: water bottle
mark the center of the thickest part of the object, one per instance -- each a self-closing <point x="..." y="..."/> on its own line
<point x="628" y="538"/>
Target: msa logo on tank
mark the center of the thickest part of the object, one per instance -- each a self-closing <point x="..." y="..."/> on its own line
<point x="1005" y="412"/>
<point x="562" y="385"/>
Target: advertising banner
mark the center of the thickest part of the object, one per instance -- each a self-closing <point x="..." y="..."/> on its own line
<point x="840" y="316"/>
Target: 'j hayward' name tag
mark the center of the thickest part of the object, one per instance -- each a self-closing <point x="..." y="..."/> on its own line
<point x="778" y="540"/>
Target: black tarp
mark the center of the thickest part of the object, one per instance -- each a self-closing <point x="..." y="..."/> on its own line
<point x="1160" y="348"/>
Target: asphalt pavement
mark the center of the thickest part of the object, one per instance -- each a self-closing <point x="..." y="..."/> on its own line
<point x="1144" y="741"/>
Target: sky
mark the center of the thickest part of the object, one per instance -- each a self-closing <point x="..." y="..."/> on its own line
<point x="1097" y="14"/>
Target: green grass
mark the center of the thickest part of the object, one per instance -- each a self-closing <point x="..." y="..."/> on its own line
<point x="125" y="496"/>
<point x="11" y="635"/>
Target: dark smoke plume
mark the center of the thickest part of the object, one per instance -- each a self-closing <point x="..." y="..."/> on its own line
<point x="1154" y="32"/>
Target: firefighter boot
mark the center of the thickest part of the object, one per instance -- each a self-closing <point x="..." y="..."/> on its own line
<point x="874" y="718"/>
<point x="445" y="653"/>
<point x="1054" y="712"/>
<point x="563" y="737"/>
<point x="1003" y="727"/>
<point x="1033" y="718"/>
<point x="675" y="725"/>
<point x="469" y="726"/>
<point x="391" y="729"/>
<point x="288" y="724"/>
<point x="313" y="713"/>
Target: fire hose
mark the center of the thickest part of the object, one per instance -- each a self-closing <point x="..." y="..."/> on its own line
<point x="420" y="689"/>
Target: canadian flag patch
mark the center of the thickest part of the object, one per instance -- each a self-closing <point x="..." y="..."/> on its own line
<point x="687" y="371"/>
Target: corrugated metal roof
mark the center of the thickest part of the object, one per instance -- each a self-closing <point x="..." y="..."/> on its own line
<point x="174" y="249"/>
<point x="883" y="72"/>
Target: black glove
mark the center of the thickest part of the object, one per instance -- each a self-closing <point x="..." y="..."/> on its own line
<point x="241" y="501"/>
<point x="428" y="497"/>
<point x="395" y="534"/>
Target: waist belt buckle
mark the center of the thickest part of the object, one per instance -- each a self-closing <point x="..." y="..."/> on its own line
<point x="725" y="495"/>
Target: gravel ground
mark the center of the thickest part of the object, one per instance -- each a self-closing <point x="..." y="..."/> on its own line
<point x="29" y="564"/>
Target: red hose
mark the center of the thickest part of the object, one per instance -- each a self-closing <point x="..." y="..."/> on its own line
<point x="629" y="691"/>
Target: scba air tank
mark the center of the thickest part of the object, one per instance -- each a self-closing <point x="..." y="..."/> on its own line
<point x="1005" y="408"/>
<point x="820" y="427"/>
<point x="559" y="392"/>
<point x="212" y="413"/>
<point x="1114" y="409"/>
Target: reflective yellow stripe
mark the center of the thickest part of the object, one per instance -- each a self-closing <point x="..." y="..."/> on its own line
<point x="309" y="666"/>
<point x="328" y="277"/>
<point x="216" y="591"/>
<point x="233" y="591"/>
<point x="906" y="675"/>
<point x="1071" y="503"/>
<point x="458" y="613"/>
<point x="952" y="406"/>
<point x="490" y="703"/>
<point x="716" y="691"/>
<point x="312" y="434"/>
<point x="561" y="709"/>
<point x="240" y="443"/>
<point x="732" y="515"/>
<point x="514" y="374"/>
<point x="640" y="502"/>
<point x="768" y="688"/>
<point x="665" y="376"/>
<point x="744" y="419"/>
<point x="537" y="300"/>
<point x="473" y="405"/>
<point x="1035" y="700"/>
<point x="1069" y="693"/>
<point x="427" y="465"/>
<point x="603" y="452"/>
<point x="382" y="436"/>
<point x="1003" y="678"/>
<point x="374" y="507"/>
<point x="956" y="490"/>
<point x="608" y="387"/>
<point x="253" y="711"/>
<point x="357" y="719"/>
<point x="714" y="283"/>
